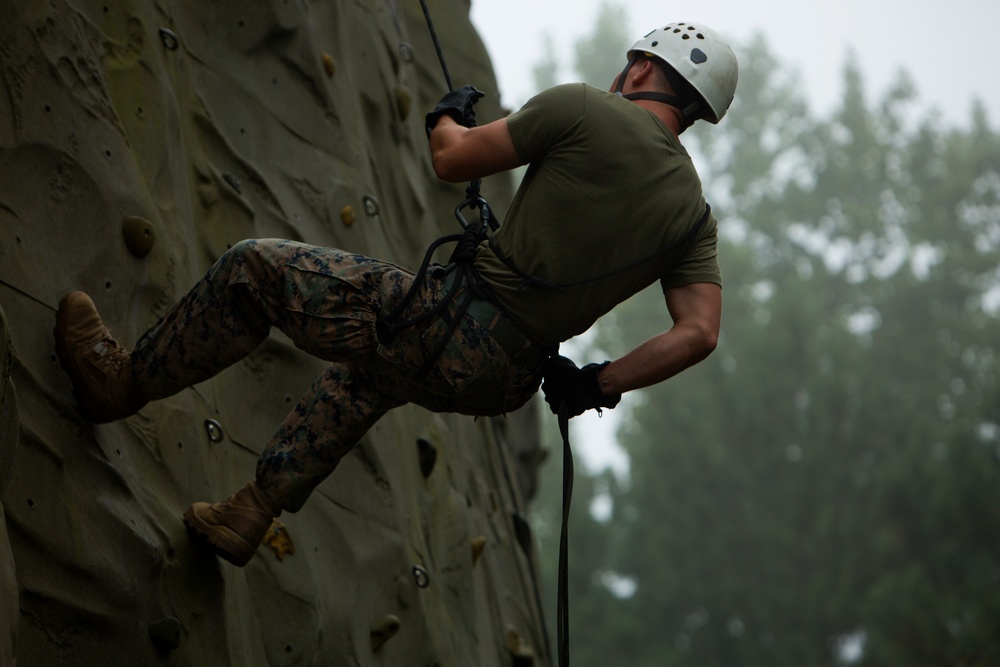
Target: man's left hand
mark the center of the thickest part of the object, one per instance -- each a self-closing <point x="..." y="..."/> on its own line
<point x="571" y="390"/>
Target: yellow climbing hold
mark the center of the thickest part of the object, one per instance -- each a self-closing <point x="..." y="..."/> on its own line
<point x="329" y="65"/>
<point x="347" y="215"/>
<point x="521" y="653"/>
<point x="278" y="539"/>
<point x="383" y="630"/>
<point x="139" y="236"/>
<point x="478" y="544"/>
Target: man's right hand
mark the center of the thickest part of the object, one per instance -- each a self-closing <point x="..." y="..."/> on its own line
<point x="458" y="104"/>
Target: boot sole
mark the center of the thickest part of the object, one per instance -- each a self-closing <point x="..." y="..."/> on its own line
<point x="226" y="543"/>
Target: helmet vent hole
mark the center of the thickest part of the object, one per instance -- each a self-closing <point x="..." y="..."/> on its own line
<point x="655" y="43"/>
<point x="685" y="36"/>
<point x="676" y="30"/>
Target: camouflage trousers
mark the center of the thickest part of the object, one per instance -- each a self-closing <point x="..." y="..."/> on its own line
<point x="327" y="302"/>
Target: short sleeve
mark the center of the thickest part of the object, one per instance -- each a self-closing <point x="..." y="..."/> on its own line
<point x="698" y="265"/>
<point x="546" y="120"/>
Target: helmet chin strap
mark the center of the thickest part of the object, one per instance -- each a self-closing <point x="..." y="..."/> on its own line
<point x="621" y="77"/>
<point x="689" y="113"/>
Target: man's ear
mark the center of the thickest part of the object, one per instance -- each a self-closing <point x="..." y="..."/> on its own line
<point x="643" y="72"/>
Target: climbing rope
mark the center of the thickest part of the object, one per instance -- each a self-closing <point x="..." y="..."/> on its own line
<point x="437" y="44"/>
<point x="462" y="257"/>
<point x="562" y="595"/>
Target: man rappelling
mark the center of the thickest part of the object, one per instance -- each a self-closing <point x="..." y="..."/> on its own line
<point x="610" y="204"/>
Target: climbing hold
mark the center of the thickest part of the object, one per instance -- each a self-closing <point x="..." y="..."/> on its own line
<point x="427" y="454"/>
<point x="165" y="633"/>
<point x="420" y="577"/>
<point x="404" y="101"/>
<point x="347" y="215"/>
<point x="522" y="530"/>
<point x="139" y="236"/>
<point x="329" y="65"/>
<point x="371" y="205"/>
<point x="404" y="592"/>
<point x="234" y="182"/>
<point x="214" y="430"/>
<point x="478" y="544"/>
<point x="521" y="653"/>
<point x="406" y="52"/>
<point x="169" y="39"/>
<point x="278" y="539"/>
<point x="383" y="630"/>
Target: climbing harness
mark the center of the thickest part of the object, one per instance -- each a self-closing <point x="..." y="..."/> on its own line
<point x="388" y="325"/>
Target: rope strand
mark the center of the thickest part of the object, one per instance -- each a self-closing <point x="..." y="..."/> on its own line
<point x="437" y="44"/>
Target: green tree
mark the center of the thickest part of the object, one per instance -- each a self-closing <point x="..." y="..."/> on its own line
<point x="545" y="73"/>
<point x="601" y="55"/>
<point x="825" y="479"/>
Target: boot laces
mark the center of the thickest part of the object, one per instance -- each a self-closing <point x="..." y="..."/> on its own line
<point x="110" y="351"/>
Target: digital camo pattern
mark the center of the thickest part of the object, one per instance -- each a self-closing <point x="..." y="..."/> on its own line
<point x="327" y="302"/>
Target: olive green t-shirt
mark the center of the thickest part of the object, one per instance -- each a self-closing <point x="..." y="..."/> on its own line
<point x="609" y="204"/>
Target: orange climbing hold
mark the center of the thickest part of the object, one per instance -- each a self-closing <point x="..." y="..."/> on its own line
<point x="279" y="541"/>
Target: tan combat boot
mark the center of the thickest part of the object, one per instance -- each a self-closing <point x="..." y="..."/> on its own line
<point x="100" y="368"/>
<point x="236" y="526"/>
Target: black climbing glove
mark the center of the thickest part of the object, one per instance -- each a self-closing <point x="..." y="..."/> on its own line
<point x="573" y="390"/>
<point x="457" y="104"/>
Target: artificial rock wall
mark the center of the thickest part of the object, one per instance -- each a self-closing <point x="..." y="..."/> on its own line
<point x="138" y="140"/>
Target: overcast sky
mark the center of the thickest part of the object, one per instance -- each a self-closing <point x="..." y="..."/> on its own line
<point x="950" y="49"/>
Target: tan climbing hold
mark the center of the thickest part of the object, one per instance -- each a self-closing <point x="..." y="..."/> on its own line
<point x="404" y="100"/>
<point x="329" y="65"/>
<point x="347" y="215"/>
<point x="139" y="235"/>
<point x="521" y="653"/>
<point x="383" y="630"/>
<point x="278" y="539"/>
<point x="478" y="545"/>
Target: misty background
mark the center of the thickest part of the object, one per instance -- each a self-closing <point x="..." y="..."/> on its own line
<point x="821" y="490"/>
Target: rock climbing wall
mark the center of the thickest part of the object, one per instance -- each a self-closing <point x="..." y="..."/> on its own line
<point x="138" y="140"/>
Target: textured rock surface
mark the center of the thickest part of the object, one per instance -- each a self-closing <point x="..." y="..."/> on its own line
<point x="8" y="444"/>
<point x="138" y="140"/>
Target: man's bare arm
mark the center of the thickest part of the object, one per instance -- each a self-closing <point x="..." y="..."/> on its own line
<point x="461" y="153"/>
<point x="697" y="313"/>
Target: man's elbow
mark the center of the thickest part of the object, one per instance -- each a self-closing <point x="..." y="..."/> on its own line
<point x="445" y="167"/>
<point x="708" y="340"/>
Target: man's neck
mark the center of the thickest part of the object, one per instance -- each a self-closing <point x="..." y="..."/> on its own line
<point x="668" y="115"/>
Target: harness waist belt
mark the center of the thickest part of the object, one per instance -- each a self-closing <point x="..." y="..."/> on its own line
<point x="501" y="329"/>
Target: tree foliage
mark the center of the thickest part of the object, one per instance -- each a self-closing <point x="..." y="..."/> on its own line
<point x="821" y="490"/>
<point x="601" y="55"/>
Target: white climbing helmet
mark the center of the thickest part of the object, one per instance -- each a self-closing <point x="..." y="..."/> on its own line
<point x="701" y="56"/>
